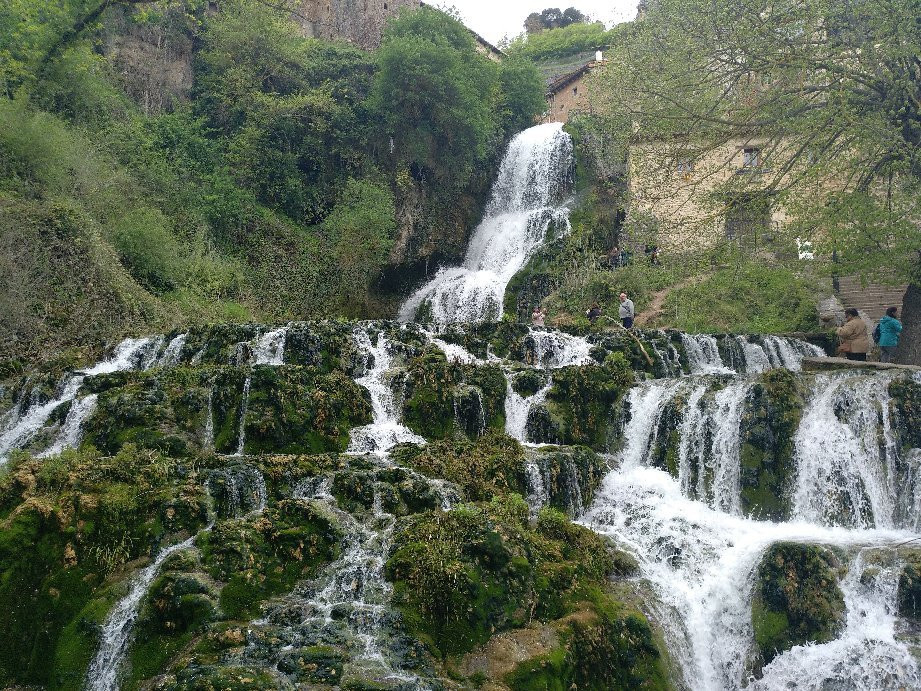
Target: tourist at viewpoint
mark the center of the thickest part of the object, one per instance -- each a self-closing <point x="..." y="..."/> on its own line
<point x="853" y="338"/>
<point x="889" y="330"/>
<point x="627" y="311"/>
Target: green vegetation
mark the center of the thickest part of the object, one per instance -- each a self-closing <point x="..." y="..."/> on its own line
<point x="797" y="598"/>
<point x="562" y="42"/>
<point x="261" y="183"/>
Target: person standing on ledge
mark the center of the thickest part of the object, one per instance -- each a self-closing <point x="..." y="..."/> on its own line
<point x="853" y="338"/>
<point x="626" y="311"/>
<point x="889" y="330"/>
<point x="538" y="316"/>
<point x="593" y="313"/>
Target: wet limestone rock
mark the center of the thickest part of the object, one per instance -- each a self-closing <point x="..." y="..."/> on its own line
<point x="797" y="599"/>
<point x="768" y="466"/>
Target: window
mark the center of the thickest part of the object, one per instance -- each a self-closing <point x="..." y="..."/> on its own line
<point x="748" y="221"/>
<point x="751" y="157"/>
<point x="685" y="165"/>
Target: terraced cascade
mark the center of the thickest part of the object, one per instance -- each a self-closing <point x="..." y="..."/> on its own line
<point x="380" y="506"/>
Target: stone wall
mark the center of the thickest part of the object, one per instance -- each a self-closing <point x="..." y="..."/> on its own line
<point x="358" y="21"/>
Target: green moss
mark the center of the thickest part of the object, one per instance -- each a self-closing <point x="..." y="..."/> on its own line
<point x="910" y="586"/>
<point x="797" y="599"/>
<point x="300" y="410"/>
<point x="76" y="519"/>
<point x="429" y="406"/>
<point x="583" y="402"/>
<point x="483" y="469"/>
<point x="603" y="648"/>
<point x="267" y="554"/>
<point x="461" y="576"/>
<point x="769" y="426"/>
<point x="906" y="396"/>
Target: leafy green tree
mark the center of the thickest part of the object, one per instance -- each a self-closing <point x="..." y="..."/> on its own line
<point x="293" y="110"/>
<point x="562" y="42"/>
<point x="435" y="95"/>
<point x="360" y="230"/>
<point x="830" y="91"/>
<point x="522" y="93"/>
<point x="553" y="18"/>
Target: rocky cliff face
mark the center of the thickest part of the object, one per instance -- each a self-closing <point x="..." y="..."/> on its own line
<point x="358" y="21"/>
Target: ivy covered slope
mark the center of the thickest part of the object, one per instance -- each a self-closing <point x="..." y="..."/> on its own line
<point x="293" y="556"/>
<point x="167" y="163"/>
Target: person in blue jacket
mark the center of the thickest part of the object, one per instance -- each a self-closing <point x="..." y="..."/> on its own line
<point x="889" y="330"/>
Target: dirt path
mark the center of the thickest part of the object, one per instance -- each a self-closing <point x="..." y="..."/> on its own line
<point x="656" y="308"/>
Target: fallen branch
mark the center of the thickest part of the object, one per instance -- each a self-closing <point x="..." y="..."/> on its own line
<point x="631" y="335"/>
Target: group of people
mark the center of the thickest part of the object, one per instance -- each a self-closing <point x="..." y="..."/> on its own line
<point x="854" y="342"/>
<point x="626" y="312"/>
<point x="618" y="257"/>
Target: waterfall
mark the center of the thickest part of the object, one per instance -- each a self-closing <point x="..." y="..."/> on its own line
<point x="172" y="354"/>
<point x="350" y="599"/>
<point x="789" y="352"/>
<point x="846" y="454"/>
<point x="208" y="444"/>
<point x="269" y="348"/>
<point x="133" y="353"/>
<point x="244" y="407"/>
<point x="527" y="204"/>
<point x="538" y="497"/>
<point x="867" y="654"/>
<point x="518" y="407"/>
<point x="555" y="349"/>
<point x="72" y="429"/>
<point x="704" y="354"/>
<point x="386" y="430"/>
<point x="756" y="360"/>
<point x="699" y="554"/>
<point x="116" y="632"/>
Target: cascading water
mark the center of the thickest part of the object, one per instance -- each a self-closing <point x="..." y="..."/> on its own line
<point x="555" y="349"/>
<point x="704" y="354"/>
<point x="172" y="353"/>
<point x="29" y="420"/>
<point x="518" y="408"/>
<point x="350" y="601"/>
<point x="867" y="654"/>
<point x="244" y="408"/>
<point x="386" y="431"/>
<point x="699" y="553"/>
<point x="269" y="348"/>
<point x="528" y="203"/>
<point x="104" y="670"/>
<point x="69" y="436"/>
<point x="847" y="456"/>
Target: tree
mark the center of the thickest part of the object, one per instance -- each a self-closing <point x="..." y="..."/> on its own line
<point x="553" y="18"/>
<point x="435" y="95"/>
<point x="829" y="90"/>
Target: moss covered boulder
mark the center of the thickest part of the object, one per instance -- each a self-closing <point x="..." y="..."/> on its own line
<point x="797" y="599"/>
<point x="583" y="402"/>
<point x="482" y="469"/>
<point x="768" y="431"/>
<point x="462" y="576"/>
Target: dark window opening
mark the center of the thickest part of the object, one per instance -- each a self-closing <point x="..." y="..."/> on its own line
<point x="748" y="221"/>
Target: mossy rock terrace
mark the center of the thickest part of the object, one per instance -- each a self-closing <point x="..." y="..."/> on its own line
<point x="461" y="559"/>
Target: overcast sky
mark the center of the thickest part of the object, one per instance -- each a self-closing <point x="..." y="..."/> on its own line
<point x="494" y="19"/>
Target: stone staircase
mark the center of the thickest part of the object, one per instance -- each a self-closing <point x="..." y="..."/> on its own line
<point x="872" y="301"/>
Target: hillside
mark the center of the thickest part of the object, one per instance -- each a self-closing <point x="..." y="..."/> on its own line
<point x="179" y="165"/>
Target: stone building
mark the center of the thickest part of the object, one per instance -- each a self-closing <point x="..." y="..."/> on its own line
<point x="688" y="196"/>
<point x="568" y="94"/>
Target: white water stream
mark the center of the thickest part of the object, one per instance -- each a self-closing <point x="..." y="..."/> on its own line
<point x="528" y="202"/>
<point x="27" y="420"/>
<point x="386" y="430"/>
<point x="699" y="553"/>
